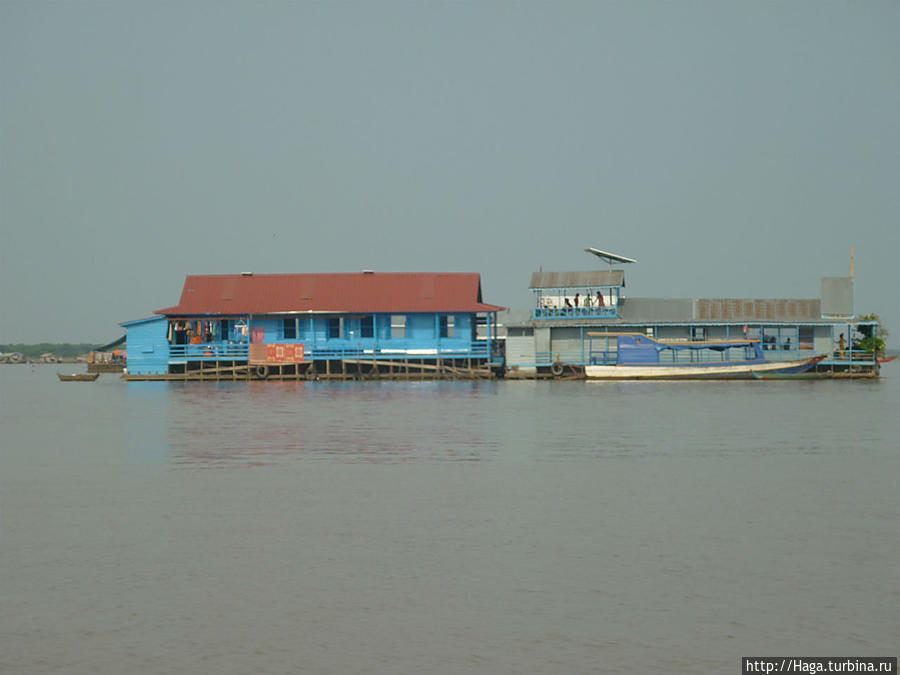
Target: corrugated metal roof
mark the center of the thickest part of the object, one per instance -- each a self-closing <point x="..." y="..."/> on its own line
<point x="577" y="279"/>
<point x="767" y="309"/>
<point x="231" y="294"/>
<point x="135" y="322"/>
<point x="657" y="309"/>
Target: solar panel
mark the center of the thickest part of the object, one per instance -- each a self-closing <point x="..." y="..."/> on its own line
<point x="609" y="257"/>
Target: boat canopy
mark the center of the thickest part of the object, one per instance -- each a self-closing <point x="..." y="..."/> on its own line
<point x="677" y="344"/>
<point x="640" y="347"/>
<point x="717" y="345"/>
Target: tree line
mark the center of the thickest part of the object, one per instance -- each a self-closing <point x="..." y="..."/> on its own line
<point x="63" y="349"/>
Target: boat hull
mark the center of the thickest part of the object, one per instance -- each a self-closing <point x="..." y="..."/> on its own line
<point x="711" y="371"/>
<point x="808" y="375"/>
<point x="80" y="377"/>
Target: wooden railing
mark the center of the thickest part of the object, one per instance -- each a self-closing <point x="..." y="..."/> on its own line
<point x="852" y="357"/>
<point x="474" y="350"/>
<point x="239" y="351"/>
<point x="212" y="351"/>
<point x="608" y="312"/>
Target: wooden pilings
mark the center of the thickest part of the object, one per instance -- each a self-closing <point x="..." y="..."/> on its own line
<point x="363" y="368"/>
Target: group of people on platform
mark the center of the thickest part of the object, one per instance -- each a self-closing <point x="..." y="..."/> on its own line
<point x="183" y="332"/>
<point x="586" y="301"/>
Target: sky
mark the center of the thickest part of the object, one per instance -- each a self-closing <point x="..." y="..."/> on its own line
<point x="735" y="149"/>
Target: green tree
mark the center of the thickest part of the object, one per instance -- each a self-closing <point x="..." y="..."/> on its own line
<point x="874" y="336"/>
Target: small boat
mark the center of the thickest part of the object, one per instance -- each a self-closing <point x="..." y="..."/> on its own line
<point x="635" y="356"/>
<point x="78" y="377"/>
<point x="887" y="359"/>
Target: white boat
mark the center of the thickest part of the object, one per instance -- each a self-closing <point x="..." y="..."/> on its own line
<point x="634" y="356"/>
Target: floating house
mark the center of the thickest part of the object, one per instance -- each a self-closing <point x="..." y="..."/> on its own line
<point x="578" y="318"/>
<point x="289" y="326"/>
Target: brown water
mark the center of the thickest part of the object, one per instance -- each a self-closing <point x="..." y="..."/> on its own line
<point x="506" y="527"/>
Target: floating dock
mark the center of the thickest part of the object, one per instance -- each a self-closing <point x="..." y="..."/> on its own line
<point x="417" y="326"/>
<point x="328" y="370"/>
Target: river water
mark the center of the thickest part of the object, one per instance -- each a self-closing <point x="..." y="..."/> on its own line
<point x="445" y="527"/>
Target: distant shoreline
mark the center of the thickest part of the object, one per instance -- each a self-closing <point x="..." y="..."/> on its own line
<point x="62" y="352"/>
<point x="37" y="361"/>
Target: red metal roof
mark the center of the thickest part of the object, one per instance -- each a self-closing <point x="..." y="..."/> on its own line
<point x="398" y="293"/>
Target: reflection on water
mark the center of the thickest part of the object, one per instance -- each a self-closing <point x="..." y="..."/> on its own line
<point x="443" y="527"/>
<point x="217" y="425"/>
<point x="239" y="424"/>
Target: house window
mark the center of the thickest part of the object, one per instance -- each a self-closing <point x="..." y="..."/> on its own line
<point x="367" y="326"/>
<point x="805" y="337"/>
<point x="334" y="328"/>
<point x="398" y="326"/>
<point x="290" y="329"/>
<point x="788" y="338"/>
<point x="770" y="337"/>
<point x="446" y="323"/>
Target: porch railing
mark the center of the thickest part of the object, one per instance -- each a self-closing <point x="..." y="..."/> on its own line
<point x="213" y="351"/>
<point x="609" y="312"/>
<point x="239" y="351"/>
<point x="854" y="357"/>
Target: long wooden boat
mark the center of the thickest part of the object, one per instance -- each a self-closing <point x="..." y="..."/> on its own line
<point x="634" y="356"/>
<point x="78" y="377"/>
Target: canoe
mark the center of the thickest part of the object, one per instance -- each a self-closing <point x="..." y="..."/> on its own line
<point x="79" y="377"/>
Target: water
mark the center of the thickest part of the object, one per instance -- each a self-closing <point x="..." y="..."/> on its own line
<point x="407" y="528"/>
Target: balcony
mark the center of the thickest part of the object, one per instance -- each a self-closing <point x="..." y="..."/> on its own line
<point x="606" y="312"/>
<point x="210" y="351"/>
<point x="400" y="349"/>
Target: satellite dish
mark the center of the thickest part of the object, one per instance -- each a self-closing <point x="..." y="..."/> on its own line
<point x="609" y="257"/>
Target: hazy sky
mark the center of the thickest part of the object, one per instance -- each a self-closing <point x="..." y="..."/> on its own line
<point x="736" y="149"/>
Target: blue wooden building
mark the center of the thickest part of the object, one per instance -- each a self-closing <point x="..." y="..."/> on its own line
<point x="309" y="326"/>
